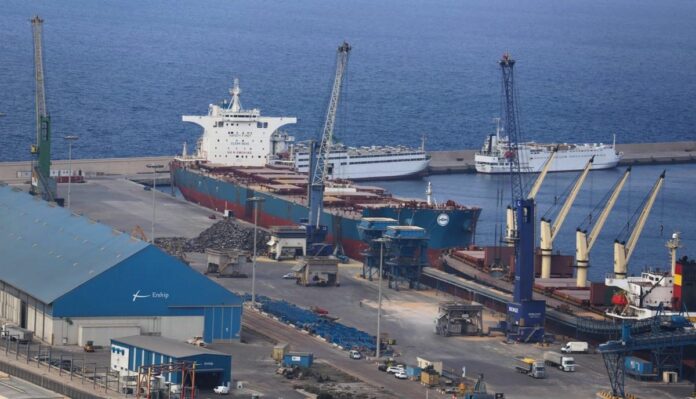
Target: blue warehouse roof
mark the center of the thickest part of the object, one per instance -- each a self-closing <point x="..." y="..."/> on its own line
<point x="47" y="251"/>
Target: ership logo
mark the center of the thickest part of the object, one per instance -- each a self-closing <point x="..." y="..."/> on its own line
<point x="154" y="295"/>
<point x="443" y="219"/>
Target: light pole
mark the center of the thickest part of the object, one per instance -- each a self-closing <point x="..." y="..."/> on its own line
<point x="70" y="140"/>
<point x="256" y="201"/>
<point x="381" y="242"/>
<point x="154" y="168"/>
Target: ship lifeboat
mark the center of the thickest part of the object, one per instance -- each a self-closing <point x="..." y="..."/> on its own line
<point x="619" y="299"/>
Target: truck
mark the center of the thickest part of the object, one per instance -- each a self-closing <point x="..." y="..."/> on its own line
<point x="15" y="333"/>
<point x="575" y="347"/>
<point x="532" y="367"/>
<point x="563" y="362"/>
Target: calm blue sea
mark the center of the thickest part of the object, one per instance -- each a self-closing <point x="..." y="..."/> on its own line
<point x="121" y="73"/>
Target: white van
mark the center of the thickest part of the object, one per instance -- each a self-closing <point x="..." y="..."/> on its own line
<point x="575" y="347"/>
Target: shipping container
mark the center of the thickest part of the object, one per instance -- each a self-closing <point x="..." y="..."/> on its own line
<point x="638" y="366"/>
<point x="413" y="371"/>
<point x="279" y="352"/>
<point x="302" y="359"/>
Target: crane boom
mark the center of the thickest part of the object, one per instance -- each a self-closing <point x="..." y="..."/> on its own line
<point x="623" y="251"/>
<point x="42" y="183"/>
<point x="511" y="229"/>
<point x="542" y="174"/>
<point x="511" y="123"/>
<point x="599" y="224"/>
<point x="563" y="213"/>
<point x="585" y="242"/>
<point x="548" y="232"/>
<point x="322" y="166"/>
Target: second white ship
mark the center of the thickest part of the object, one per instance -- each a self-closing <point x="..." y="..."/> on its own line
<point x="495" y="155"/>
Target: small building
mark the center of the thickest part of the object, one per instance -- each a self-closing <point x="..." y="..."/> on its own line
<point x="301" y="359"/>
<point x="317" y="270"/>
<point x="128" y="354"/>
<point x="71" y="280"/>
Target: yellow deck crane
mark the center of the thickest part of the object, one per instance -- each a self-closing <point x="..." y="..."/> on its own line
<point x="585" y="242"/>
<point x="548" y="232"/>
<point x="624" y="250"/>
<point x="510" y="227"/>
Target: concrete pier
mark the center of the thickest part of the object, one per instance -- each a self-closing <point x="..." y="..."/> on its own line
<point x="462" y="161"/>
<point x="442" y="162"/>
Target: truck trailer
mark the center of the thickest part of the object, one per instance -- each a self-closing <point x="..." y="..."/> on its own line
<point x="575" y="347"/>
<point x="563" y="362"/>
<point x="532" y="367"/>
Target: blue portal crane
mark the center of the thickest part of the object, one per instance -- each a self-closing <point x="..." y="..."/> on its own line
<point x="319" y="167"/>
<point x="525" y="316"/>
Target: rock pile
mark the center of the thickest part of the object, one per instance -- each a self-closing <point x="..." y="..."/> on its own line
<point x="224" y="234"/>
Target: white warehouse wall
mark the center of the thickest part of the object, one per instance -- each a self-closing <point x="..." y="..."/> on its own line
<point x="67" y="331"/>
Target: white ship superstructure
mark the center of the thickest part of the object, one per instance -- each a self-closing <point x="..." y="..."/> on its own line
<point x="495" y="155"/>
<point x="365" y="163"/>
<point x="233" y="136"/>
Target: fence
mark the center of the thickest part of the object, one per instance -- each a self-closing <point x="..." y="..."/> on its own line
<point x="79" y="369"/>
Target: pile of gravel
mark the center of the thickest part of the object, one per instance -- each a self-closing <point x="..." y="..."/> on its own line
<point x="224" y="234"/>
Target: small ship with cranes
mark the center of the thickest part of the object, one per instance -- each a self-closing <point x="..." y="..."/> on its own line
<point x="236" y="162"/>
<point x="575" y="305"/>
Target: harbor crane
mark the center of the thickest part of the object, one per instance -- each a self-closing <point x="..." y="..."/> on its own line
<point x="319" y="168"/>
<point x="525" y="317"/>
<point x="549" y="232"/>
<point x="41" y="181"/>
<point x="624" y="250"/>
<point x="510" y="228"/>
<point x="585" y="242"/>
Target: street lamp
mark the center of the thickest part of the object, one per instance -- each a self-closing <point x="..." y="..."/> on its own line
<point x="154" y="168"/>
<point x="256" y="201"/>
<point x="70" y="140"/>
<point x="381" y="242"/>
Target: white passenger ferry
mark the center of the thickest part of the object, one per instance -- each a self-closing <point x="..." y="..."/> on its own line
<point x="233" y="136"/>
<point x="495" y="155"/>
<point x="367" y="163"/>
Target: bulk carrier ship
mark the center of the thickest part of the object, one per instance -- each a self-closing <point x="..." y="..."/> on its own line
<point x="236" y="159"/>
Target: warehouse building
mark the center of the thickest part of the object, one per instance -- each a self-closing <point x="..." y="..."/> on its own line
<point x="130" y="353"/>
<point x="71" y="280"/>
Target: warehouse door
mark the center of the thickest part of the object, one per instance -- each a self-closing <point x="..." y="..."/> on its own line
<point x="208" y="379"/>
<point x="23" y="314"/>
<point x="221" y="324"/>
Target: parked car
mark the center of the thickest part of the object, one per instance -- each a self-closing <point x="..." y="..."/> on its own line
<point x="396" y="369"/>
<point x="401" y="375"/>
<point x="222" y="390"/>
<point x="382" y="367"/>
<point x="289" y="276"/>
<point x="355" y="355"/>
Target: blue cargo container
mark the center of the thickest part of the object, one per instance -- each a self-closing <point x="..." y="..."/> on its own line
<point x="412" y="371"/>
<point x="302" y="359"/>
<point x="638" y="366"/>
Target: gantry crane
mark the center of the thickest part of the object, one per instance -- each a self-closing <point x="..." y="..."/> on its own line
<point x="41" y="181"/>
<point x="585" y="242"/>
<point x="549" y="232"/>
<point x="319" y="157"/>
<point x="624" y="250"/>
<point x="525" y="317"/>
<point x="510" y="228"/>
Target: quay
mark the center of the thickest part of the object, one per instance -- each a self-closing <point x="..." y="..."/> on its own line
<point x="462" y="161"/>
<point x="442" y="162"/>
